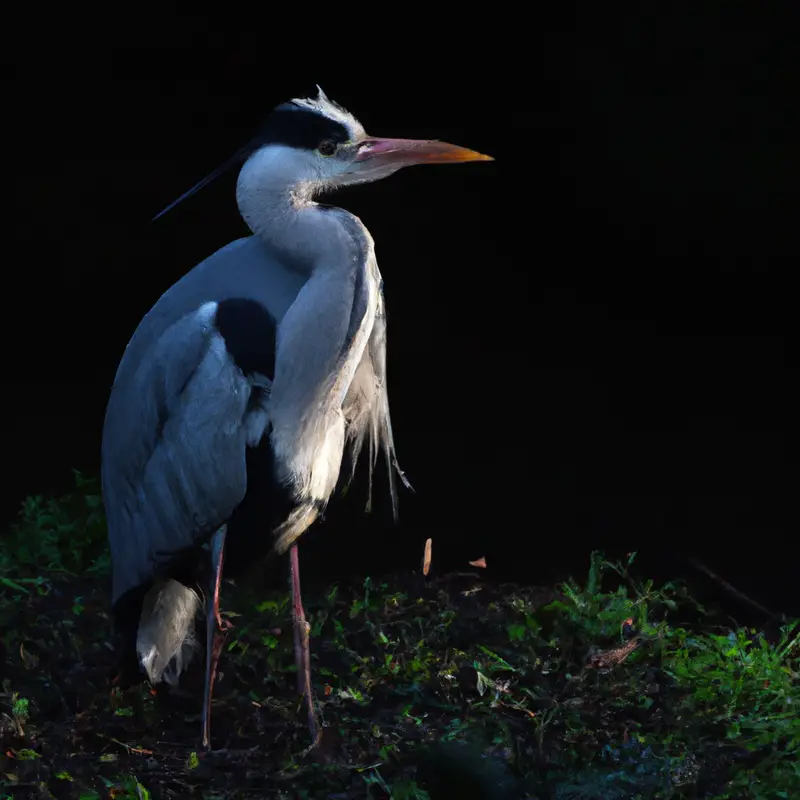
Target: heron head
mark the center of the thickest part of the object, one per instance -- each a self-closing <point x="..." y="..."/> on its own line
<point x="329" y="147"/>
<point x="313" y="144"/>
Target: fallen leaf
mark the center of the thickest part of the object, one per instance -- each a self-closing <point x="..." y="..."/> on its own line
<point x="613" y="657"/>
<point x="28" y="659"/>
<point x="426" y="560"/>
<point x="480" y="562"/>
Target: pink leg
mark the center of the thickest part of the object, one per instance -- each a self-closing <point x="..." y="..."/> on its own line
<point x="302" y="655"/>
<point x="216" y="631"/>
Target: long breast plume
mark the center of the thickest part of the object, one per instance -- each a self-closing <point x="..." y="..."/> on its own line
<point x="366" y="410"/>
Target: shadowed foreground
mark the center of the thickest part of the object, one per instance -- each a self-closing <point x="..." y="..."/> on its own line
<point x="435" y="687"/>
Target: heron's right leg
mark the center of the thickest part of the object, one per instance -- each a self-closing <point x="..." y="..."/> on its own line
<point x="302" y="653"/>
<point x="216" y="629"/>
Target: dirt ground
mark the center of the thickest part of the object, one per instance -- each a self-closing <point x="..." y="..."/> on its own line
<point x="450" y="687"/>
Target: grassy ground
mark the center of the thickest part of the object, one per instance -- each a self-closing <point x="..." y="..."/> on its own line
<point x="449" y="687"/>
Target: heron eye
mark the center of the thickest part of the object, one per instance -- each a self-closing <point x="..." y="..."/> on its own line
<point x="327" y="148"/>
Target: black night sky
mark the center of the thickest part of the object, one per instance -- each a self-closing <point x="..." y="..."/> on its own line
<point x="586" y="337"/>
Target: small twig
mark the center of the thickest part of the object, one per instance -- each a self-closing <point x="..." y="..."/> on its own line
<point x="729" y="587"/>
<point x="227" y="752"/>
<point x="130" y="748"/>
<point x="139" y="750"/>
<point x="517" y="707"/>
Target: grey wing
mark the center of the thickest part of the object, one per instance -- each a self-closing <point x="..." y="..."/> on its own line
<point x="173" y="449"/>
<point x="366" y="409"/>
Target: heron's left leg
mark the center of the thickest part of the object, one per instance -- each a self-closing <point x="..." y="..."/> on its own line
<point x="302" y="653"/>
<point x="216" y="629"/>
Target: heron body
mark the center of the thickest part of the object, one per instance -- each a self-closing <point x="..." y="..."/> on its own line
<point x="242" y="387"/>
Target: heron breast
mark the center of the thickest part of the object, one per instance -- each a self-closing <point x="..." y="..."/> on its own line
<point x="328" y="460"/>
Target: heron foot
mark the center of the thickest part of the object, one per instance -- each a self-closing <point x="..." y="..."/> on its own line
<point x="223" y="623"/>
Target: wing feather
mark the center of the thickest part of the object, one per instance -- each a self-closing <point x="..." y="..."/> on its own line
<point x="174" y="446"/>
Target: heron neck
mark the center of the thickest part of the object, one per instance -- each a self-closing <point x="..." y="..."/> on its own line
<point x="320" y="341"/>
<point x="279" y="207"/>
<point x="322" y="335"/>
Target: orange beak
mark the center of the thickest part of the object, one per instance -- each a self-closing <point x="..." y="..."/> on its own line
<point x="405" y="152"/>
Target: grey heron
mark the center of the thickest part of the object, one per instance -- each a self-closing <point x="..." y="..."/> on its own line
<point x="243" y="387"/>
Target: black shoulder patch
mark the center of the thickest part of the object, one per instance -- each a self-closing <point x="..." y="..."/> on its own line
<point x="249" y="334"/>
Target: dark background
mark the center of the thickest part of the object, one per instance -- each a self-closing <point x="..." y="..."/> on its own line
<point x="587" y="336"/>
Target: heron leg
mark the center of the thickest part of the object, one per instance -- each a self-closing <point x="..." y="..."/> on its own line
<point x="216" y="630"/>
<point x="302" y="655"/>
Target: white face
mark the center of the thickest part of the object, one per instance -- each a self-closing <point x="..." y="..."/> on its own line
<point x="305" y="173"/>
<point x="309" y="172"/>
<point x="330" y="165"/>
<point x="350" y="163"/>
<point x="312" y="164"/>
